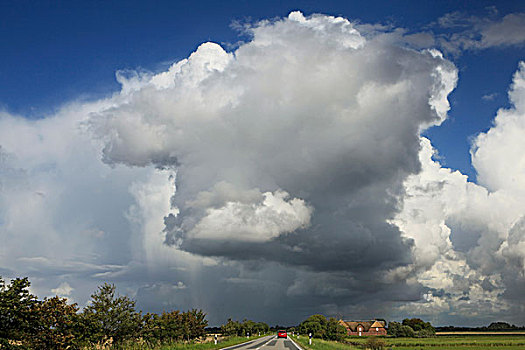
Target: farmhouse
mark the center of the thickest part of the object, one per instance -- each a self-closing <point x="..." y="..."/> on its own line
<point x="364" y="328"/>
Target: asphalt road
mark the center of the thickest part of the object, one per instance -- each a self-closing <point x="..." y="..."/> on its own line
<point x="267" y="343"/>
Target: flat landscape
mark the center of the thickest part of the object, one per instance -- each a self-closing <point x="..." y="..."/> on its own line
<point x="446" y="342"/>
<point x="482" y="333"/>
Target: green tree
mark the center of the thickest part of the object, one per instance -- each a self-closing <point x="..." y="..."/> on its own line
<point x="426" y="333"/>
<point x="150" y="330"/>
<point x="500" y="326"/>
<point x="417" y="324"/>
<point x="231" y="328"/>
<point x="421" y="328"/>
<point x="167" y="327"/>
<point x="248" y="327"/>
<point x="315" y="324"/>
<point x="193" y="324"/>
<point x="397" y="329"/>
<point x="334" y="330"/>
<point x="110" y="316"/>
<point x="17" y="316"/>
<point x="56" y="325"/>
<point x="261" y="327"/>
<point x="171" y="324"/>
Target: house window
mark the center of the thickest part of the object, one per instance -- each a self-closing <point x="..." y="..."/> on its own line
<point x="377" y="329"/>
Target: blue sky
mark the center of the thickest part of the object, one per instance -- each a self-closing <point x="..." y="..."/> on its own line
<point x="135" y="150"/>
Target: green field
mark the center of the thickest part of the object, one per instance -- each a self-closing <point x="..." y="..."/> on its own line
<point x="449" y="342"/>
<point x="318" y="344"/>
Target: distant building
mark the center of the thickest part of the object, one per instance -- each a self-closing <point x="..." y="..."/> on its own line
<point x="364" y="328"/>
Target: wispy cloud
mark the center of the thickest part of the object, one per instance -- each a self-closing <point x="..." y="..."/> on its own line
<point x="465" y="32"/>
<point x="489" y="97"/>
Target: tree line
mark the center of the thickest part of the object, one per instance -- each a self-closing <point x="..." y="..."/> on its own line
<point x="109" y="319"/>
<point x="411" y="328"/>
<point x="494" y="326"/>
<point x="321" y="327"/>
<point x="331" y="329"/>
<point x="244" y="328"/>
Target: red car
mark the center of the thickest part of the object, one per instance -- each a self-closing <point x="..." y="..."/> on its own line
<point x="282" y="334"/>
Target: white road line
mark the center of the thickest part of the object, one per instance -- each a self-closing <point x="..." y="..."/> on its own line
<point x="266" y="343"/>
<point x="297" y="346"/>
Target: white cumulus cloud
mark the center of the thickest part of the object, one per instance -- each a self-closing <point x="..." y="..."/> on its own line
<point x="254" y="222"/>
<point x="469" y="237"/>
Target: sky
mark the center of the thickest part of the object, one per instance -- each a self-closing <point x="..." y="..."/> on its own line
<point x="268" y="160"/>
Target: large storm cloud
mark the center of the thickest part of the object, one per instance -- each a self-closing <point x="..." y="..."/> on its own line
<point x="292" y="148"/>
<point x="288" y="174"/>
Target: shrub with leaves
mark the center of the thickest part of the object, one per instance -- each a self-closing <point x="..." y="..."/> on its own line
<point x="322" y="328"/>
<point x="110" y="316"/>
<point x="315" y="324"/>
<point x="374" y="343"/>
<point x="231" y="327"/>
<point x="17" y="316"/>
<point x="397" y="329"/>
<point x="56" y="325"/>
<point x="164" y="328"/>
<point x="334" y="330"/>
<point x="194" y="324"/>
<point x="417" y="324"/>
<point x="261" y="327"/>
<point x="425" y="333"/>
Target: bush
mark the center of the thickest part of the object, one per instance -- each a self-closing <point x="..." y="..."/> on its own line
<point x="231" y="327"/>
<point x="397" y="329"/>
<point x="374" y="343"/>
<point x="410" y="328"/>
<point x="426" y="333"/>
<point x="418" y="324"/>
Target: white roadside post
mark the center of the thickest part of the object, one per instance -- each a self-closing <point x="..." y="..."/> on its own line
<point x="215" y="339"/>
<point x="310" y="340"/>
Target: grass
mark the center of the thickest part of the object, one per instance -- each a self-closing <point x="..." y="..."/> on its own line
<point x="452" y="342"/>
<point x="319" y="344"/>
<point x="209" y="345"/>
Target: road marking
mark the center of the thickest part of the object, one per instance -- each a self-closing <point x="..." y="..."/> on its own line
<point x="297" y="346"/>
<point x="239" y="345"/>
<point x="269" y="340"/>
